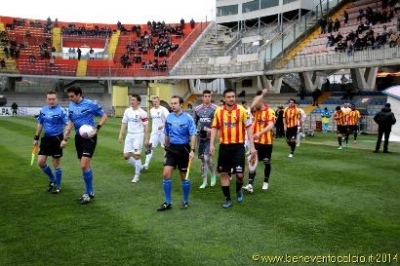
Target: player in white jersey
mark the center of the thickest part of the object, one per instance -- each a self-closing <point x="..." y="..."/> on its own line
<point x="247" y="141"/>
<point x="135" y="118"/>
<point x="203" y="116"/>
<point x="300" y="133"/>
<point x="158" y="115"/>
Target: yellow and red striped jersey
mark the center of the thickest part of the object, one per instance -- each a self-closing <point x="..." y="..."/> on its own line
<point x="261" y="118"/>
<point x="340" y="118"/>
<point x="291" y="116"/>
<point x="231" y="124"/>
<point x="353" y="117"/>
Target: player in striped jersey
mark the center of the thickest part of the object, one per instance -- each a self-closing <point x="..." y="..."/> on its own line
<point x="340" y="119"/>
<point x="203" y="115"/>
<point x="263" y="124"/>
<point x="291" y="120"/>
<point x="232" y="121"/>
<point x="353" y="118"/>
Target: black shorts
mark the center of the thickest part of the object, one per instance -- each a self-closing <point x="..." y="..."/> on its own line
<point x="342" y="130"/>
<point x="264" y="151"/>
<point x="50" y="146"/>
<point x="177" y="156"/>
<point x="352" y="128"/>
<point x="203" y="148"/>
<point x="291" y="132"/>
<point x="231" y="156"/>
<point x="85" y="147"/>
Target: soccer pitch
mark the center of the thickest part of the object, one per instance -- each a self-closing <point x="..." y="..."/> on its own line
<point x="323" y="205"/>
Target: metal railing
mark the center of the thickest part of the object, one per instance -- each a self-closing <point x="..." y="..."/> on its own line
<point x="373" y="57"/>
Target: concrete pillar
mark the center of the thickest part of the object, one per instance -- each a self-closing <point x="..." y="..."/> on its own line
<point x="309" y="81"/>
<point x="364" y="78"/>
<point x="272" y="83"/>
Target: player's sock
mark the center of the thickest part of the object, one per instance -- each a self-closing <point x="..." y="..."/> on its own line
<point x="252" y="176"/>
<point x="138" y="166"/>
<point x="88" y="178"/>
<point x="186" y="190"/>
<point x="132" y="161"/>
<point x="239" y="184"/>
<point x="226" y="192"/>
<point x="49" y="173"/>
<point x="167" y="184"/>
<point x="148" y="158"/>
<point x="211" y="168"/>
<point x="292" y="147"/>
<point x="58" y="172"/>
<point x="204" y="168"/>
<point x="340" y="141"/>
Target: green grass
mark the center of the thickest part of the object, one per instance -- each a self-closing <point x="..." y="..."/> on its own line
<point x="323" y="202"/>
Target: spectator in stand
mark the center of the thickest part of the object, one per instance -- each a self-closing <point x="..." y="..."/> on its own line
<point x="346" y="17"/>
<point x="79" y="53"/>
<point x="192" y="23"/>
<point x="330" y="40"/>
<point x="338" y="37"/>
<point x="182" y="23"/>
<point x="330" y="25"/>
<point x="315" y="95"/>
<point x="350" y="48"/>
<point x="2" y="63"/>
<point x="323" y="23"/>
<point x="351" y="36"/>
<point x="52" y="62"/>
<point x="361" y="14"/>
<point x="91" y="53"/>
<point x="393" y="39"/>
<point x="32" y="58"/>
<point x="341" y="47"/>
<point x="336" y="25"/>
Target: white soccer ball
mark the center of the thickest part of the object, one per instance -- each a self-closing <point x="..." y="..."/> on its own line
<point x="85" y="131"/>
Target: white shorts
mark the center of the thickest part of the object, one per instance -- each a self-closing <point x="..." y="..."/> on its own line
<point x="134" y="143"/>
<point x="156" y="137"/>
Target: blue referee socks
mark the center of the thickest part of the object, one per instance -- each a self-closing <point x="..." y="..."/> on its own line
<point x="167" y="184"/>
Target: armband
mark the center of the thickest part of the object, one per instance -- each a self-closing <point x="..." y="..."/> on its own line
<point x="36" y="137"/>
<point x="98" y="127"/>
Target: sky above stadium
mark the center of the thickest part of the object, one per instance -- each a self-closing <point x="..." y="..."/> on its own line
<point x="126" y="11"/>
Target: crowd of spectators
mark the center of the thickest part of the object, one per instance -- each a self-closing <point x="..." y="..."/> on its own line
<point x="366" y="35"/>
<point x="74" y="30"/>
<point x="158" y="38"/>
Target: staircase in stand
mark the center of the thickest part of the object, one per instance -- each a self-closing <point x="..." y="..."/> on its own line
<point x="82" y="68"/>
<point x="113" y="44"/>
<point x="57" y="39"/>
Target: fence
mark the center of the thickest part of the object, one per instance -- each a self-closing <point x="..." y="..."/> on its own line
<point x="367" y="124"/>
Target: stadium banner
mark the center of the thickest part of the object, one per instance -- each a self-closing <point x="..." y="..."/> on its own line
<point x="22" y="111"/>
<point x="5" y="111"/>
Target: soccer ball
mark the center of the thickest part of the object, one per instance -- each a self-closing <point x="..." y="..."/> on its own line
<point x="85" y="131"/>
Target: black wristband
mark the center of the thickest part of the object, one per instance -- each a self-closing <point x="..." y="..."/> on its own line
<point x="36" y="137"/>
<point x="98" y="127"/>
<point x="193" y="150"/>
